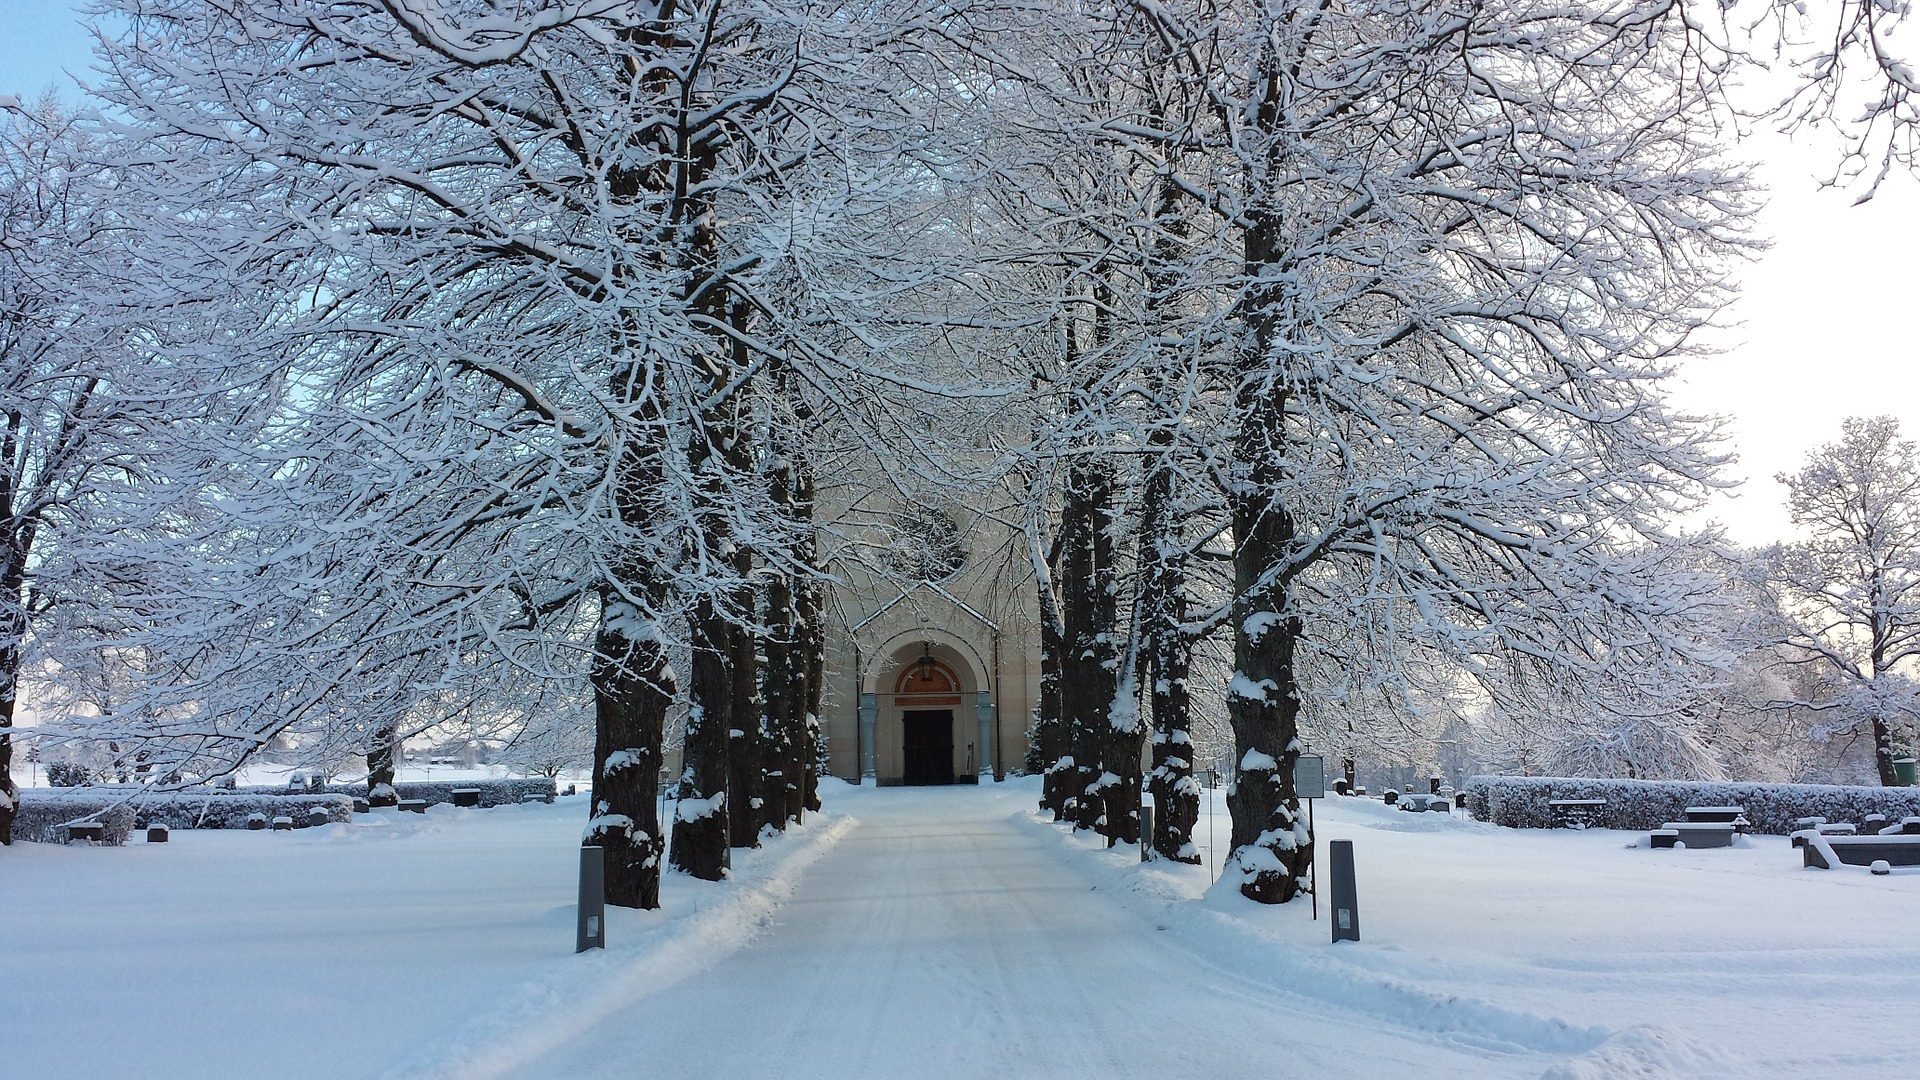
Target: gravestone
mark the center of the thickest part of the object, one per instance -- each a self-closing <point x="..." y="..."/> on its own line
<point x="93" y="832"/>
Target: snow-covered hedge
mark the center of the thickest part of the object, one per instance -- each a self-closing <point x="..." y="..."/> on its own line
<point x="433" y="792"/>
<point x="492" y="792"/>
<point x="230" y="810"/>
<point x="44" y="810"/>
<point x="1520" y="802"/>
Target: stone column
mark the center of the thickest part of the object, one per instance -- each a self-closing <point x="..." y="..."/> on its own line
<point x="983" y="756"/>
<point x="869" y="720"/>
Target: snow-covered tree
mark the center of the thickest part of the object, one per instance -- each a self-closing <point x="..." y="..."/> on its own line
<point x="1472" y="242"/>
<point x="525" y="235"/>
<point x="88" y="405"/>
<point x="1850" y="591"/>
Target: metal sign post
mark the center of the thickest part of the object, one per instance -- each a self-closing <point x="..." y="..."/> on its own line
<point x="1310" y="783"/>
<point x="592" y="932"/>
<point x="1213" y="781"/>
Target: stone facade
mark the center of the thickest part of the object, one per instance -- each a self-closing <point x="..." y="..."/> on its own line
<point x="971" y="631"/>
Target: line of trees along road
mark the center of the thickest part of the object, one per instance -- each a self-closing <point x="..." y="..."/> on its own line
<point x="1317" y="348"/>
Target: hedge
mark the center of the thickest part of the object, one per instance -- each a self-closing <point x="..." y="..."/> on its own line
<point x="1520" y="802"/>
<point x="492" y="792"/>
<point x="229" y="810"/>
<point x="509" y="792"/>
<point x="43" y="811"/>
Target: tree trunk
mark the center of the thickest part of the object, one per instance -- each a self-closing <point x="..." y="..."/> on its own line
<point x="810" y="624"/>
<point x="13" y="633"/>
<point x="749" y="756"/>
<point x="633" y="682"/>
<point x="1271" y="846"/>
<point x="747" y="751"/>
<point x="700" y="834"/>
<point x="781" y="650"/>
<point x="1050" y="727"/>
<point x="1088" y="678"/>
<point x="381" y="765"/>
<point x="9" y="682"/>
<point x="632" y="688"/>
<point x="1163" y="613"/>
<point x="814" y="660"/>
<point x="1883" y="752"/>
<point x="710" y="794"/>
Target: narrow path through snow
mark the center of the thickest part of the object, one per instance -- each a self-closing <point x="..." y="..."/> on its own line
<point x="938" y="938"/>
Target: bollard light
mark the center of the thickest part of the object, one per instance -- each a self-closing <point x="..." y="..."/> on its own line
<point x="593" y="900"/>
<point x="1346" y="903"/>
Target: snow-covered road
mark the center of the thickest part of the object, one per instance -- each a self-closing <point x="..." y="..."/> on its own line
<point x="923" y="933"/>
<point x="940" y="938"/>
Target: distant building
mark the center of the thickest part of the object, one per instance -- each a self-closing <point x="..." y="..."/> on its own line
<point x="933" y="651"/>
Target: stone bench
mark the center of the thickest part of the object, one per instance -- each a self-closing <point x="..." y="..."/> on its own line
<point x="1908" y="826"/>
<point x="1726" y="815"/>
<point x="1825" y="828"/>
<point x="1695" y="834"/>
<point x="1894" y="849"/>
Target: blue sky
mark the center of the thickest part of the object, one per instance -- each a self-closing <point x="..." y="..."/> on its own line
<point x="38" y="39"/>
<point x="1824" y="329"/>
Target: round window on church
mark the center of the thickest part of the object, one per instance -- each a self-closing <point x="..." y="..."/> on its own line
<point x="926" y="544"/>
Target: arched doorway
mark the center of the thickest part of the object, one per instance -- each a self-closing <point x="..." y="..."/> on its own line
<point x="926" y="692"/>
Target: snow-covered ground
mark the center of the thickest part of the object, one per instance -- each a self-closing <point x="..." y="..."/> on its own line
<point x="946" y="932"/>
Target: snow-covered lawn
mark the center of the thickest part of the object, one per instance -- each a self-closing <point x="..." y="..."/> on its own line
<point x="946" y="932"/>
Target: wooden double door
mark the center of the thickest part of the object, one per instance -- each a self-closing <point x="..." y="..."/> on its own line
<point x="928" y="757"/>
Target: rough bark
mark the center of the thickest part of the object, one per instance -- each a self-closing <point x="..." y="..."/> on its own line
<point x="13" y="632"/>
<point x="780" y="650"/>
<point x="814" y="658"/>
<point x="747" y="751"/>
<point x="1049" y="726"/>
<point x="1168" y="654"/>
<point x="1088" y="675"/>
<point x="380" y="767"/>
<point x="700" y="832"/>
<point x="632" y="688"/>
<point x="1884" y="753"/>
<point x="9" y="664"/>
<point x="702" y="829"/>
<point x="1271" y="846"/>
